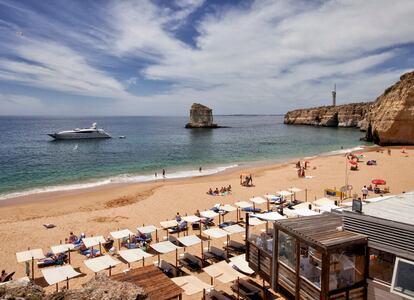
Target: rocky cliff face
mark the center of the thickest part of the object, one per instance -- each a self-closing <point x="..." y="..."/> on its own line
<point x="390" y="120"/>
<point x="348" y="115"/>
<point x="200" y="117"/>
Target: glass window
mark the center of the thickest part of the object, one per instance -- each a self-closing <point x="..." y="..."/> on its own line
<point x="402" y="280"/>
<point x="347" y="267"/>
<point x="381" y="265"/>
<point x="263" y="241"/>
<point x="310" y="264"/>
<point x="287" y="251"/>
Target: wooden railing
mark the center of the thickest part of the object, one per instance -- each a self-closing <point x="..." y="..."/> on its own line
<point x="308" y="291"/>
<point x="260" y="260"/>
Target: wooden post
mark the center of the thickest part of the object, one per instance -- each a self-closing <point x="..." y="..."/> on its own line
<point x="268" y="204"/>
<point x="238" y="288"/>
<point x="159" y="260"/>
<point x="156" y="235"/>
<point x="176" y="258"/>
<point x="202" y="250"/>
<point x="110" y="268"/>
<point x="100" y="248"/>
<point x="67" y="283"/>
<point x="143" y="261"/>
<point x="275" y="260"/>
<point x="247" y="237"/>
<point x="204" y="294"/>
<point x="119" y="244"/>
<point x="200" y="228"/>
<point x="32" y="268"/>
<point x="211" y="280"/>
<point x="57" y="287"/>
<point x="227" y="248"/>
<point x="297" y="270"/>
<point x="306" y="195"/>
<point x="69" y="255"/>
<point x="325" y="276"/>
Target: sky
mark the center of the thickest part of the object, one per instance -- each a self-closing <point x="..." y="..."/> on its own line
<point x="143" y="57"/>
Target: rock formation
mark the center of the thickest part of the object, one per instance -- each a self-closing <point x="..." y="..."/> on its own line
<point x="201" y="117"/>
<point x="390" y="120"/>
<point x="101" y="287"/>
<point x="348" y="115"/>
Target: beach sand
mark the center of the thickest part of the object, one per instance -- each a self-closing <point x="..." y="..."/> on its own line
<point x="101" y="210"/>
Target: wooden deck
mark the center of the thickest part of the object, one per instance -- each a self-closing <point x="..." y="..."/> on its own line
<point x="153" y="281"/>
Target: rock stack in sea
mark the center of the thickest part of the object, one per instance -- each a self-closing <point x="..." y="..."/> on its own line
<point x="201" y="116"/>
<point x="389" y="120"/>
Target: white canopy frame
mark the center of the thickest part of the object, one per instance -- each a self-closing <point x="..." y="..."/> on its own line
<point x="62" y="249"/>
<point x="59" y="274"/>
<point x="149" y="229"/>
<point x="134" y="255"/>
<point x="100" y="263"/>
<point x="166" y="247"/>
<point x="30" y="255"/>
<point x="121" y="234"/>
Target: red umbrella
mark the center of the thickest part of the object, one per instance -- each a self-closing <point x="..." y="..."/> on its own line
<point x="353" y="162"/>
<point x="379" y="182"/>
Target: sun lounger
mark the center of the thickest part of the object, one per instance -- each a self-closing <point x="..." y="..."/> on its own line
<point x="191" y="262"/>
<point x="168" y="269"/>
<point x="215" y="254"/>
<point x="247" y="290"/>
<point x="228" y="223"/>
<point x="8" y="277"/>
<point x="237" y="247"/>
<point x="251" y="209"/>
<point x="173" y="240"/>
<point x="219" y="295"/>
<point x="52" y="260"/>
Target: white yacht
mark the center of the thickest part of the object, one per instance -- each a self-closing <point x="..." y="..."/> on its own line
<point x="81" y="133"/>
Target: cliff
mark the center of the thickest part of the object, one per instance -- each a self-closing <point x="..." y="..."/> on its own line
<point x="201" y="116"/>
<point x="390" y="120"/>
<point x="348" y="115"/>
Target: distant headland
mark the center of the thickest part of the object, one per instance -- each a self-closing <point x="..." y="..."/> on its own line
<point x="389" y="120"/>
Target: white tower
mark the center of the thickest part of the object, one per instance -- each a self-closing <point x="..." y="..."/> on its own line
<point x="334" y="96"/>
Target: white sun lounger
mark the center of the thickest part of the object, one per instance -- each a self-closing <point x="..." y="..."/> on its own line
<point x="241" y="264"/>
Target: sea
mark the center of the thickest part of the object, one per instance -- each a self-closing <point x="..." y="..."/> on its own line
<point x="31" y="162"/>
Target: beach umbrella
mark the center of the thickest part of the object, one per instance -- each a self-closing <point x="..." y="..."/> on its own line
<point x="379" y="182"/>
<point x="353" y="162"/>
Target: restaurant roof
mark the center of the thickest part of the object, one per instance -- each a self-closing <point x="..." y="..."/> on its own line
<point x="152" y="280"/>
<point x="323" y="231"/>
<point x="399" y="208"/>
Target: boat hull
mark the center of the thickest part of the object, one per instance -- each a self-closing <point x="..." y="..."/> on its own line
<point x="77" y="136"/>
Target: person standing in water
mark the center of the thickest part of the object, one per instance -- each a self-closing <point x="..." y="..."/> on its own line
<point x="163" y="173"/>
<point x="200" y="169"/>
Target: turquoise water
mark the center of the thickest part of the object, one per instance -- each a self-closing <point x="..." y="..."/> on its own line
<point x="32" y="162"/>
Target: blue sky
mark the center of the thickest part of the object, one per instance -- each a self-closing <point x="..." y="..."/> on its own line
<point x="157" y="57"/>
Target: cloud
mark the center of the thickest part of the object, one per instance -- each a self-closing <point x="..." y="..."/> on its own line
<point x="259" y="56"/>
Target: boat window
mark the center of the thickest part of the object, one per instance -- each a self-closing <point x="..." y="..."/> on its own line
<point x="402" y="279"/>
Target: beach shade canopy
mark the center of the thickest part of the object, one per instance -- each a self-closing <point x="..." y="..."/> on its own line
<point x="255" y="221"/>
<point x="93" y="241"/>
<point x="294" y="190"/>
<point x="120" y="234"/>
<point x="169" y="224"/>
<point x="215" y="233"/>
<point x="223" y="272"/>
<point x="269" y="216"/>
<point x="258" y="200"/>
<point x="284" y="193"/>
<point x="101" y="263"/>
<point x="327" y="208"/>
<point x="133" y="255"/>
<point x="191" y="219"/>
<point x="147" y="229"/>
<point x="191" y="284"/>
<point x="302" y="205"/>
<point x="228" y="208"/>
<point x="209" y="214"/>
<point x="305" y="212"/>
<point x="243" y="204"/>
<point x="189" y="240"/>
<point x="324" y="202"/>
<point x="241" y="264"/>
<point x="234" y="229"/>
<point x="59" y="274"/>
<point x="379" y="182"/>
<point x="62" y="248"/>
<point x="164" y="247"/>
<point x="29" y="255"/>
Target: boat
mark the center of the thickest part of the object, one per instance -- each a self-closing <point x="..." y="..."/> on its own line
<point x="81" y="133"/>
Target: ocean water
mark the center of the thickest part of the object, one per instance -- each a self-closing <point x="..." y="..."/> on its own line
<point x="31" y="162"/>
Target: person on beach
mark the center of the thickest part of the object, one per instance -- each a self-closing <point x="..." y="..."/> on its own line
<point x="298" y="164"/>
<point x="389" y="151"/>
<point x="229" y="188"/>
<point x="199" y="169"/>
<point x="72" y="238"/>
<point x="364" y="191"/>
<point x="155" y="174"/>
<point x="210" y="192"/>
<point x="163" y="173"/>
<point x="178" y="217"/>
<point x="197" y="213"/>
<point x="3" y="275"/>
<point x="216" y="191"/>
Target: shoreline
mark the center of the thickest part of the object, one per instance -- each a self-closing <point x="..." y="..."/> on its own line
<point x="102" y="210"/>
<point x="48" y="192"/>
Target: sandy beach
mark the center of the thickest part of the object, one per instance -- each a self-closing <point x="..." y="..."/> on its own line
<point x="101" y="210"/>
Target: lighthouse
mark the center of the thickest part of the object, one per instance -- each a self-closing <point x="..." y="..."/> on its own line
<point x="334" y="95"/>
